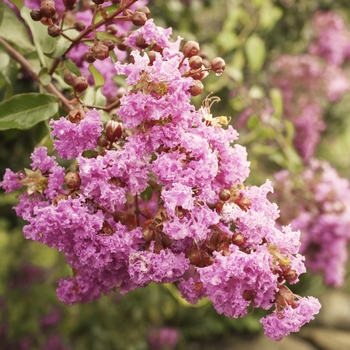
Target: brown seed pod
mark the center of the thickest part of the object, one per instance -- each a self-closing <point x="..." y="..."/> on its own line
<point x="195" y="62"/>
<point x="112" y="29"/>
<point x="89" y="57"/>
<point x="72" y="180"/>
<point x="114" y="130"/>
<point x="98" y="2"/>
<point x="141" y="42"/>
<point x="225" y="195"/>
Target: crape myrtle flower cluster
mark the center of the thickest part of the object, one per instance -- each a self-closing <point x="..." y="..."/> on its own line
<point x="310" y="80"/>
<point x="158" y="195"/>
<point x="317" y="203"/>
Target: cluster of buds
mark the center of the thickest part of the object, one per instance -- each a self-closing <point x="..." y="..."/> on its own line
<point x="48" y="16"/>
<point x="79" y="84"/>
<point x="198" y="70"/>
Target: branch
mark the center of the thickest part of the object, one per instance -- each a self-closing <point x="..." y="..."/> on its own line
<point x="25" y="64"/>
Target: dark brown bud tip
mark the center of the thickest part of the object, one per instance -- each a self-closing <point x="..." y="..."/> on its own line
<point x="218" y="65"/>
<point x="54" y="30"/>
<point x="35" y="15"/>
<point x="145" y="10"/>
<point x="47" y="8"/>
<point x="79" y="25"/>
<point x="69" y="78"/>
<point x="138" y="18"/>
<point x="100" y="51"/>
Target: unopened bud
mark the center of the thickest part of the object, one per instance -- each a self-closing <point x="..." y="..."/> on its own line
<point x="225" y="195"/>
<point x="98" y="2"/>
<point x="89" y="57"/>
<point x="79" y="25"/>
<point x="238" y="239"/>
<point x="145" y="10"/>
<point x="72" y="180"/>
<point x="218" y="65"/>
<point x="103" y="141"/>
<point x="114" y="130"/>
<point x="138" y="18"/>
<point x="69" y="78"/>
<point x="58" y="198"/>
<point x="109" y="43"/>
<point x="141" y="42"/>
<point x="290" y="275"/>
<point x="112" y="29"/>
<point x="47" y="8"/>
<point x="100" y="51"/>
<point x="54" y="30"/>
<point x="35" y="15"/>
<point x="80" y="84"/>
<point x="197" y="88"/>
<point x="152" y="57"/>
<point x="195" y="62"/>
<point x="191" y="48"/>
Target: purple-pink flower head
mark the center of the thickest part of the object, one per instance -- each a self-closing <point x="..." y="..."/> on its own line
<point x="71" y="139"/>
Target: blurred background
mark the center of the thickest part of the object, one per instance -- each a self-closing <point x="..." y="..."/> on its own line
<point x="286" y="88"/>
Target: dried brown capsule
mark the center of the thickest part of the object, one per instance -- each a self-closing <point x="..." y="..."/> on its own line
<point x="47" y="8"/>
<point x="35" y="15"/>
<point x="80" y="84"/>
<point x="89" y="57"/>
<point x="191" y="48"/>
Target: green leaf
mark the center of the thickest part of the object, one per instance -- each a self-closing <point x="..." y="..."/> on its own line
<point x="104" y="35"/>
<point x="146" y="194"/>
<point x="98" y="77"/>
<point x="255" y="52"/>
<point x="8" y="73"/>
<point x="269" y="15"/>
<point x="44" y="77"/>
<point x="72" y="67"/>
<point x="14" y="31"/>
<point x="277" y="102"/>
<point x="107" y="12"/>
<point x="25" y="110"/>
<point x="61" y="44"/>
<point x="42" y="41"/>
<point x="18" y="3"/>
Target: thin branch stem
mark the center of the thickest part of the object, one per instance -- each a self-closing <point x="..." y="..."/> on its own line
<point x="51" y="88"/>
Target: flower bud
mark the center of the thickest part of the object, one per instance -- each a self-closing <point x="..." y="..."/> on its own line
<point x="238" y="239"/>
<point x="218" y="65"/>
<point x="100" y="51"/>
<point x="197" y="88"/>
<point x="80" y="84"/>
<point x="152" y="57"/>
<point x="69" y="78"/>
<point x="54" y="30"/>
<point x="138" y="18"/>
<point x="47" y="8"/>
<point x="88" y="57"/>
<point x="72" y="180"/>
<point x="59" y="198"/>
<point x="109" y="43"/>
<point x="122" y="46"/>
<point x="141" y="42"/>
<point x="225" y="195"/>
<point x="98" y="2"/>
<point x="145" y="10"/>
<point x="76" y="115"/>
<point x="191" y="48"/>
<point x="195" y="62"/>
<point x="290" y="274"/>
<point x="114" y="130"/>
<point x="112" y="29"/>
<point x="79" y="25"/>
<point x="35" y="15"/>
<point x="103" y="141"/>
